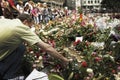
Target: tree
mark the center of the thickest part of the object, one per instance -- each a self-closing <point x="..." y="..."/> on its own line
<point x="65" y="3"/>
<point x="111" y="5"/>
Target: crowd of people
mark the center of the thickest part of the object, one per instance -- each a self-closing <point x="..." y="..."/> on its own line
<point x="40" y="12"/>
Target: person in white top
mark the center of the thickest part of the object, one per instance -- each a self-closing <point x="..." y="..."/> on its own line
<point x="26" y="9"/>
<point x="20" y="6"/>
<point x="29" y="2"/>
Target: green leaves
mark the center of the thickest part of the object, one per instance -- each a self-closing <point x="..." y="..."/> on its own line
<point x="54" y="77"/>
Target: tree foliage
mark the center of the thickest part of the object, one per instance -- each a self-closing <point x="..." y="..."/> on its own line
<point x="111" y="5"/>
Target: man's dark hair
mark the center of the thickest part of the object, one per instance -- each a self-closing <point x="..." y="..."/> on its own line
<point x="7" y="13"/>
<point x="23" y="17"/>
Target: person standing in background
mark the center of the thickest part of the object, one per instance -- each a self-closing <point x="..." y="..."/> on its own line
<point x="6" y="9"/>
<point x="1" y="12"/>
<point x="20" y="6"/>
<point x="13" y="8"/>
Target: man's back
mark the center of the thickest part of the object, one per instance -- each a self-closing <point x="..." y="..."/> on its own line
<point x="12" y="34"/>
<point x="8" y="36"/>
<point x="7" y="27"/>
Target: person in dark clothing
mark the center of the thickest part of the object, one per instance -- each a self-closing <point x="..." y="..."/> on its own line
<point x="15" y="12"/>
<point x="1" y="12"/>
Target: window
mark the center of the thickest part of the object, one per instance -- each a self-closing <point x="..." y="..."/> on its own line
<point x="98" y="1"/>
<point x="91" y="2"/>
<point x="88" y="2"/>
<point x="84" y="2"/>
<point x="95" y="1"/>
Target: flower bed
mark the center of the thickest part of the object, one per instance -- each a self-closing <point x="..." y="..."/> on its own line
<point x="94" y="56"/>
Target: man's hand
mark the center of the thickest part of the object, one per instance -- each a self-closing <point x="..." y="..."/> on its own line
<point x="66" y="62"/>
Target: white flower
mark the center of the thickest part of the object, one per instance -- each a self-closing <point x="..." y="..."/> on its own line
<point x="117" y="76"/>
<point x="40" y="57"/>
<point x="112" y="58"/>
<point x="31" y="52"/>
<point x="89" y="70"/>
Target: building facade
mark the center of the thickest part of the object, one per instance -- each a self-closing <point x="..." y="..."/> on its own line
<point x="84" y="4"/>
<point x="55" y="3"/>
<point x="74" y="4"/>
<point x="91" y="4"/>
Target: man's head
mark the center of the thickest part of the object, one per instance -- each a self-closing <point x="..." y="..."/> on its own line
<point x="26" y="19"/>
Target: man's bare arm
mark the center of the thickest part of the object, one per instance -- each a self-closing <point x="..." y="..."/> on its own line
<point x="51" y="51"/>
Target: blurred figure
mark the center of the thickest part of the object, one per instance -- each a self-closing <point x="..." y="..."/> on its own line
<point x="13" y="8"/>
<point x="20" y="6"/>
<point x="6" y="9"/>
<point x="1" y="12"/>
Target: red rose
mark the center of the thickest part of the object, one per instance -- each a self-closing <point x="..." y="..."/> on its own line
<point x="30" y="49"/>
<point x="97" y="59"/>
<point x="76" y="42"/>
<point x="113" y="71"/>
<point x="37" y="54"/>
<point x="84" y="64"/>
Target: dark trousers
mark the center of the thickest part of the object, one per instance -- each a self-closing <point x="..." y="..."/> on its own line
<point x="1" y="12"/>
<point x="12" y="63"/>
